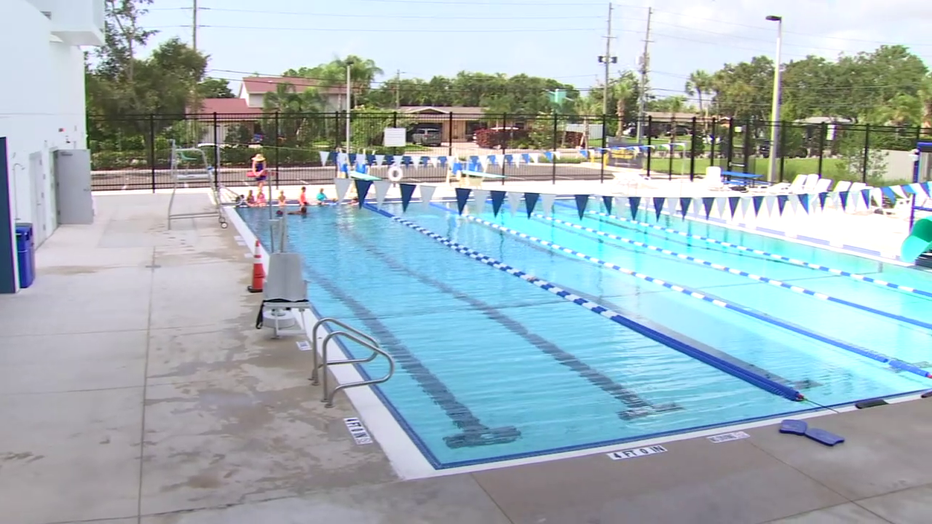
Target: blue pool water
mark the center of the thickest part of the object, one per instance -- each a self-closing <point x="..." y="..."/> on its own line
<point x="492" y="367"/>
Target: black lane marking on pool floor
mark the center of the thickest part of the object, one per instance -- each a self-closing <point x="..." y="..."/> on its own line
<point x="475" y="433"/>
<point x="638" y="406"/>
<point x="801" y="384"/>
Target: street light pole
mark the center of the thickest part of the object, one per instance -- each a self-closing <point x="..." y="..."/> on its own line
<point x="775" y="109"/>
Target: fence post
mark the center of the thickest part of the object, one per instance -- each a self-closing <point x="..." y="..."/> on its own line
<point x="216" y="152"/>
<point x="450" y="132"/>
<point x="823" y="130"/>
<point x="692" y="151"/>
<point x="782" y="150"/>
<point x="746" y="148"/>
<point x="730" y="156"/>
<point x="504" y="144"/>
<point x="604" y="149"/>
<point x="867" y="150"/>
<point x="152" y="148"/>
<point x="278" y="131"/>
<point x="553" y="151"/>
<point x="650" y="136"/>
<point x="714" y="137"/>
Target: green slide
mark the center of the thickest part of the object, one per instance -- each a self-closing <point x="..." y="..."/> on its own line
<point x="918" y="242"/>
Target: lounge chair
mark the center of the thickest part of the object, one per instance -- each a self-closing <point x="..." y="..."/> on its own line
<point x="713" y="179"/>
<point x="285" y="296"/>
<point x="785" y="188"/>
<point x="823" y="185"/>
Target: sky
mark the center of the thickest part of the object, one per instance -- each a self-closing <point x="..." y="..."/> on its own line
<point x="559" y="39"/>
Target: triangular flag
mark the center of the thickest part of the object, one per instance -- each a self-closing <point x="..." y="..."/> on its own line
<point x="634" y="203"/>
<point x="462" y="195"/>
<point x="479" y="197"/>
<point x="427" y="192"/>
<point x="745" y="204"/>
<point x="794" y="203"/>
<point x="733" y="204"/>
<point x="684" y="205"/>
<point x="804" y="201"/>
<point x="758" y="201"/>
<point x="324" y="156"/>
<point x="407" y="191"/>
<point x="342" y="185"/>
<point x="889" y="193"/>
<point x="720" y="204"/>
<point x="381" y="189"/>
<point x="658" y="206"/>
<point x="781" y="202"/>
<point x="498" y="197"/>
<point x="770" y="201"/>
<point x="362" y="189"/>
<point x="581" y="201"/>
<point x="917" y="188"/>
<point x="379" y="160"/>
<point x="907" y="190"/>
<point x="620" y="203"/>
<point x="844" y="199"/>
<point x="707" y="203"/>
<point x="823" y="196"/>
<point x="927" y="186"/>
<point x="530" y="200"/>
<point x="514" y="200"/>
<point x="607" y="200"/>
<point x="546" y="202"/>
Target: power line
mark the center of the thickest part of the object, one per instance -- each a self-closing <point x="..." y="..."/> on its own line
<point x="388" y="16"/>
<point x="408" y="30"/>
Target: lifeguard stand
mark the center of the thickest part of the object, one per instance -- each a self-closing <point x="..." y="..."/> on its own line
<point x="193" y="156"/>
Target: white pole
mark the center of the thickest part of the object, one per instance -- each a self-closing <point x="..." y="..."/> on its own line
<point x="348" y="96"/>
<point x="775" y="110"/>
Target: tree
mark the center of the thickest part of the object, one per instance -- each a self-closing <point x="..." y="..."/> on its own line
<point x="122" y="36"/>
<point x="925" y="98"/>
<point x="699" y="84"/>
<point x="622" y="89"/>
<point x="214" y="88"/>
<point x="744" y="90"/>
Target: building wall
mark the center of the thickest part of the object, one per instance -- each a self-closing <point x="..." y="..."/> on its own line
<point x="41" y="109"/>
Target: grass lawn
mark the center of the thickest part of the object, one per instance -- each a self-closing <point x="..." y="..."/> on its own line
<point x="831" y="168"/>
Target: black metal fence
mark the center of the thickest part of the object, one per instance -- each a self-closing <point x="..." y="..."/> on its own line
<point x="134" y="152"/>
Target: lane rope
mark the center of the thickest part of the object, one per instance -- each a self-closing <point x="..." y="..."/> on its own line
<point x="873" y="355"/>
<point x="742" y="273"/>
<point x="775" y="256"/>
<point x="688" y="350"/>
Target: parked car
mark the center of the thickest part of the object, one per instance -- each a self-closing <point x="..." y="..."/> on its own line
<point x="427" y="137"/>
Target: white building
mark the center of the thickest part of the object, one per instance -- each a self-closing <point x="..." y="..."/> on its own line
<point x="42" y="107"/>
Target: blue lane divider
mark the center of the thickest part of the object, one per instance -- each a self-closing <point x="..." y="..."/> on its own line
<point x="897" y="364"/>
<point x="775" y="256"/>
<point x="741" y="273"/>
<point x="722" y="365"/>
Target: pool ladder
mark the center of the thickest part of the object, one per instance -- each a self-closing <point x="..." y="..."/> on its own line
<point x="321" y="366"/>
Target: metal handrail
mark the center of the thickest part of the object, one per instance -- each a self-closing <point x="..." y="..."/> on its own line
<point x="348" y="328"/>
<point x="376" y="350"/>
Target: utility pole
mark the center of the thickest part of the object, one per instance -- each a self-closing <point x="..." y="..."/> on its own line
<point x="608" y="59"/>
<point x="194" y="27"/>
<point x="645" y="69"/>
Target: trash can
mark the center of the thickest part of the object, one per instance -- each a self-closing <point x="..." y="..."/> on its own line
<point x="26" y="255"/>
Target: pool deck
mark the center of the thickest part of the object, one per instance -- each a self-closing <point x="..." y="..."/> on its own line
<point x="135" y="389"/>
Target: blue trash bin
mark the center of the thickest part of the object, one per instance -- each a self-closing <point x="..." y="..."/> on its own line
<point x="26" y="255"/>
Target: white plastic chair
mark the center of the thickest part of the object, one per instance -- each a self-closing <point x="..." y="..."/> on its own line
<point x="783" y="187"/>
<point x="713" y="179"/>
<point x="822" y="185"/>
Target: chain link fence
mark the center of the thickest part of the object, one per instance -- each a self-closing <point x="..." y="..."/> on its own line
<point x="134" y="152"/>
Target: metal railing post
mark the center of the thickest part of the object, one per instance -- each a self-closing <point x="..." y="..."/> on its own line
<point x="867" y="151"/>
<point x="714" y="137"/>
<point x="553" y="155"/>
<point x="650" y="137"/>
<point x="152" y="149"/>
<point x="823" y="130"/>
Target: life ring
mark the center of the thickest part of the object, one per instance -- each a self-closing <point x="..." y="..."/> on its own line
<point x="395" y="174"/>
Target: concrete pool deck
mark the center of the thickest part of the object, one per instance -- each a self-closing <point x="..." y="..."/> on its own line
<point x="135" y="389"/>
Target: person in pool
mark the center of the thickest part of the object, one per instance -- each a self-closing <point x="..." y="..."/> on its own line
<point x="321" y="197"/>
<point x="258" y="170"/>
<point x="301" y="211"/>
<point x="281" y="198"/>
<point x="250" y="199"/>
<point x="302" y="198"/>
<point x="260" y="200"/>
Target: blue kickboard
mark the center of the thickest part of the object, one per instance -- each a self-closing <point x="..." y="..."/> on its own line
<point x="794" y="427"/>
<point x="824" y="437"/>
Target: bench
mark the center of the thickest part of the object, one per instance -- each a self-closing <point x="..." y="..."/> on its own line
<point x="744" y="179"/>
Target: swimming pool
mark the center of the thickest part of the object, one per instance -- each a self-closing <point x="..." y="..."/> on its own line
<point x="493" y="367"/>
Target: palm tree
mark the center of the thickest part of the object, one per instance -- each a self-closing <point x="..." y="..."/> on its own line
<point x="586" y="107"/>
<point x="622" y="89"/>
<point x="925" y="96"/>
<point x="700" y="83"/>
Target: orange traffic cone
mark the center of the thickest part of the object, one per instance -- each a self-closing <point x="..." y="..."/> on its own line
<point x="258" y="272"/>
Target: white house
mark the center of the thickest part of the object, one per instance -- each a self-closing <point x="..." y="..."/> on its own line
<point x="42" y="106"/>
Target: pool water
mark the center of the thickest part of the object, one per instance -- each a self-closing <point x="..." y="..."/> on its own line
<point x="491" y="367"/>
